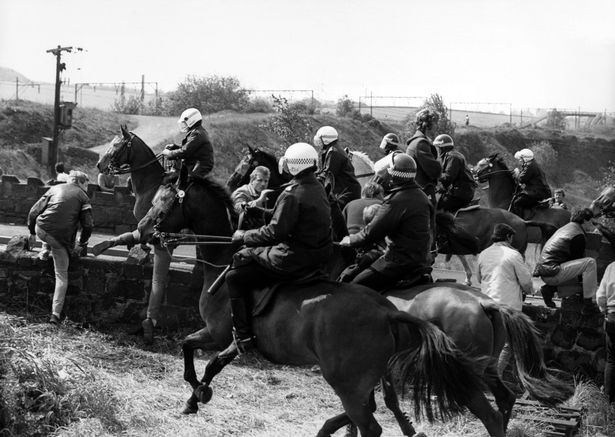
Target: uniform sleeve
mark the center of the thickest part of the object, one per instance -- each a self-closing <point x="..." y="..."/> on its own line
<point x="450" y="171"/>
<point x="189" y="148"/>
<point x="281" y="225"/>
<point x="331" y="166"/>
<point x="522" y="271"/>
<point x="36" y="210"/>
<point x="528" y="173"/>
<point x="386" y="219"/>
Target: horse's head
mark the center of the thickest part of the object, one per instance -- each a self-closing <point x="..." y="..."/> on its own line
<point x="487" y="167"/>
<point x="164" y="214"/>
<point x="256" y="157"/>
<point x="117" y="158"/>
<point x="604" y="204"/>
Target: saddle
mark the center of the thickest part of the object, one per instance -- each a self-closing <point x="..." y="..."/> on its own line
<point x="418" y="276"/>
<point x="261" y="298"/>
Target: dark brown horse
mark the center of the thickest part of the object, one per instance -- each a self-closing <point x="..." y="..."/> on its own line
<point x="604" y="204"/>
<point x="351" y="332"/>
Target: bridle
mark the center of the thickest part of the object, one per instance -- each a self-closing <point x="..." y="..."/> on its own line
<point x="116" y="169"/>
<point x="482" y="175"/>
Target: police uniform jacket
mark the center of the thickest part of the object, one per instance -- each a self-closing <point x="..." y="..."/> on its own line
<point x="535" y="181"/>
<point x="196" y="151"/>
<point x="428" y="168"/>
<point x="337" y="166"/>
<point x="297" y="240"/>
<point x="456" y="177"/>
<point x="404" y="221"/>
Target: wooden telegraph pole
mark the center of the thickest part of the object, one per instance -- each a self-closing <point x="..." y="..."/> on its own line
<point x="60" y="66"/>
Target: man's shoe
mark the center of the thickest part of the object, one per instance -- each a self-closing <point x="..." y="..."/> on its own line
<point x="99" y="248"/>
<point x="54" y="320"/>
<point x="148" y="331"/>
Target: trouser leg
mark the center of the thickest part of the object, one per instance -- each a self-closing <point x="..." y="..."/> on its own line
<point x="162" y="262"/>
<point x="374" y="280"/>
<point x="61" y="261"/>
<point x="571" y="269"/>
<point x="609" y="369"/>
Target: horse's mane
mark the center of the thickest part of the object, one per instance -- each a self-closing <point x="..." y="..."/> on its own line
<point x="220" y="192"/>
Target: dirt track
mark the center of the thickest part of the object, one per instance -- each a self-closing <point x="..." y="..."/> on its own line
<point x="150" y="129"/>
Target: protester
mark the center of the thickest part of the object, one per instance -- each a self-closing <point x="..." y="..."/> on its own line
<point x="252" y="195"/>
<point x="61" y="175"/>
<point x="353" y="212"/>
<point x="605" y="297"/>
<point x="563" y="259"/>
<point x="107" y="181"/>
<point x="55" y="219"/>
<point x="558" y="199"/>
<point x="504" y="276"/>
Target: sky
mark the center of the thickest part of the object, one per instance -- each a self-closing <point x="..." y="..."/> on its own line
<point x="526" y="53"/>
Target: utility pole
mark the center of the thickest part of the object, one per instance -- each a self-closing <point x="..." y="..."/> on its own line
<point x="60" y="66"/>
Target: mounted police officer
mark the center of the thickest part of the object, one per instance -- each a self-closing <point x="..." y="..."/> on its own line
<point x="457" y="182"/>
<point x="531" y="180"/>
<point x="337" y="173"/>
<point x="196" y="150"/>
<point x="405" y="220"/>
<point x="389" y="145"/>
<point x="296" y="242"/>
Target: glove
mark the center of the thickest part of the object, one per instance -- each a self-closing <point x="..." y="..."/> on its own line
<point x="345" y="241"/>
<point x="81" y="249"/>
<point x="170" y="147"/>
<point x="238" y="237"/>
<point x="166" y="152"/>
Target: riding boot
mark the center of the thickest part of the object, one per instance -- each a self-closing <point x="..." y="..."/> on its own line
<point x="547" y="292"/>
<point x="242" y="330"/>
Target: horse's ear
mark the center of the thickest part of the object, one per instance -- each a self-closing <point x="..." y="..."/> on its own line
<point x="124" y="129"/>
<point x="251" y="150"/>
<point x="493" y="156"/>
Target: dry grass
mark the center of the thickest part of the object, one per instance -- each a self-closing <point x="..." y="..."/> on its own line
<point x="71" y="381"/>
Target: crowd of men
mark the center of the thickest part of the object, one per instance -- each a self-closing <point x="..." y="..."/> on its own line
<point x="391" y="222"/>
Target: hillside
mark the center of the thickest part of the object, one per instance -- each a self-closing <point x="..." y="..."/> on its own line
<point x="577" y="163"/>
<point x="9" y="75"/>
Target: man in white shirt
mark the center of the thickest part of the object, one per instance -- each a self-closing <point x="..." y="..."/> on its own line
<point x="605" y="297"/>
<point x="504" y="276"/>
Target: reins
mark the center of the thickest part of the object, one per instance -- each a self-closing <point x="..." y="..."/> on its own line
<point x="125" y="170"/>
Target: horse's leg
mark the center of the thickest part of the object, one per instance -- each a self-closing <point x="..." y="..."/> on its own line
<point x="493" y="421"/>
<point x="360" y="413"/>
<point x="466" y="268"/>
<point x="198" y="340"/>
<point x="392" y="403"/>
<point x="333" y="424"/>
<point x="504" y="397"/>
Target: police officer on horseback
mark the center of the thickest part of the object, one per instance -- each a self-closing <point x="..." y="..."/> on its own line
<point x="457" y="182"/>
<point x="196" y="150"/>
<point x="337" y="173"/>
<point x="295" y="243"/>
<point x="389" y="145"/>
<point x="532" y="183"/>
<point x="405" y="220"/>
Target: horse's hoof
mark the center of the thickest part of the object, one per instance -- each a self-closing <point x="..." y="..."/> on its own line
<point x="420" y="434"/>
<point x="203" y="393"/>
<point x="190" y="409"/>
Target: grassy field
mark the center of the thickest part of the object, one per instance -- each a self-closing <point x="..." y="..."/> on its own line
<point x="73" y="381"/>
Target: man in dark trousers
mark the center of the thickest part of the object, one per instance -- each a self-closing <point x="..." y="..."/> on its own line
<point x="337" y="172"/>
<point x="404" y="222"/>
<point x="296" y="242"/>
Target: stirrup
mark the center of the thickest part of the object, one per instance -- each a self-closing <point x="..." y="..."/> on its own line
<point x="244" y="345"/>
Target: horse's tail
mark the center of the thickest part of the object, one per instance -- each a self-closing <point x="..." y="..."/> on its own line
<point x="546" y="229"/>
<point x="434" y="368"/>
<point x="533" y="374"/>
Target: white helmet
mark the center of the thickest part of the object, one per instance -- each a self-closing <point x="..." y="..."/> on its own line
<point x="299" y="157"/>
<point x="525" y="154"/>
<point x="188" y="118"/>
<point x="325" y="136"/>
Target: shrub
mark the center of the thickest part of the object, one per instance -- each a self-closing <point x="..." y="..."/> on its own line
<point x="546" y="156"/>
<point x="259" y="105"/>
<point x="288" y="123"/>
<point x="436" y="103"/>
<point x="207" y="94"/>
<point x="131" y="106"/>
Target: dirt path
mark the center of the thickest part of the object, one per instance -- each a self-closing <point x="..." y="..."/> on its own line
<point x="151" y="129"/>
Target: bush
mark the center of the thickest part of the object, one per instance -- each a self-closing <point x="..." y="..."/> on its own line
<point x="259" y="105"/>
<point x="436" y="103"/>
<point x="131" y="106"/>
<point x="546" y="156"/>
<point x="208" y="94"/>
<point x="288" y="123"/>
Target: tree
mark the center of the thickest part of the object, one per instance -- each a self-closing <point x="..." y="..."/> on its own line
<point x="556" y="120"/>
<point x="546" y="156"/>
<point x="288" y="123"/>
<point x="436" y="103"/>
<point x="208" y="94"/>
<point x="345" y="108"/>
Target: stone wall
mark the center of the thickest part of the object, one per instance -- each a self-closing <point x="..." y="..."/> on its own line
<point x="101" y="290"/>
<point x="112" y="211"/>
